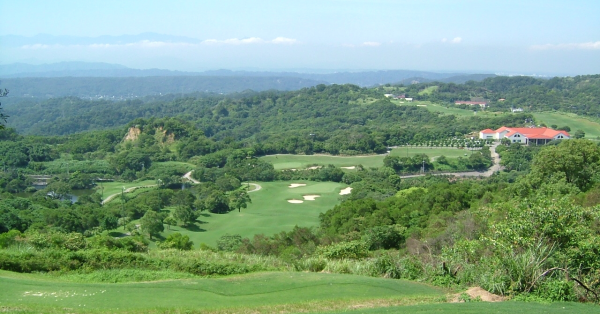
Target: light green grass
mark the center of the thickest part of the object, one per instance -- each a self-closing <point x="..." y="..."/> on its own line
<point x="237" y="293"/>
<point x="117" y="186"/>
<point x="431" y="152"/>
<point x="303" y="161"/>
<point x="429" y="90"/>
<point x="269" y="212"/>
<point x="575" y="122"/>
<point x="485" y="307"/>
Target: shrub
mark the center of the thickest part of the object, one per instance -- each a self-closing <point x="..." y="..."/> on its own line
<point x="353" y="249"/>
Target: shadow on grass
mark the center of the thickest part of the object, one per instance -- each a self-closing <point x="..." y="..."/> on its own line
<point x="117" y="234"/>
<point x="194" y="228"/>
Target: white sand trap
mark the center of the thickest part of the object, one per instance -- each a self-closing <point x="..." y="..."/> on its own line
<point x="295" y="185"/>
<point x="310" y="197"/>
<point x="313" y="167"/>
<point x="346" y="191"/>
<point x="350" y="168"/>
<point x="295" y="201"/>
<point x="421" y="105"/>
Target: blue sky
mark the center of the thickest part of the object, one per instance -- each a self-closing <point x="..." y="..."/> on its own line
<point x="555" y="37"/>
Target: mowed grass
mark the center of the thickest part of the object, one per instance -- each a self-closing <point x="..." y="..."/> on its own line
<point x="269" y="291"/>
<point x="575" y="122"/>
<point x="430" y="151"/>
<point x="303" y="161"/>
<point x="269" y="212"/>
<point x="117" y="186"/>
<point x="508" y="307"/>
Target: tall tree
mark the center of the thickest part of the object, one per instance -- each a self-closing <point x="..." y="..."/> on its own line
<point x="239" y="199"/>
<point x="152" y="223"/>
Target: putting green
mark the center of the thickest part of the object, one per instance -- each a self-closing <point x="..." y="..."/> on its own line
<point x="241" y="292"/>
<point x="269" y="213"/>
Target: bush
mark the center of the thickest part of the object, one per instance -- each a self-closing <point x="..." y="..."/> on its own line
<point x="353" y="250"/>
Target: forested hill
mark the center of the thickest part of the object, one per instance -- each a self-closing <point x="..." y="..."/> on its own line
<point x="134" y="87"/>
<point x="579" y="94"/>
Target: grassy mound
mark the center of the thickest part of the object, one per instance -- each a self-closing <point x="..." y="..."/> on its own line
<point x="257" y="292"/>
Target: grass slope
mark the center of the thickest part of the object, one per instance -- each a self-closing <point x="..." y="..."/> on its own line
<point x="237" y="293"/>
<point x="575" y="122"/>
<point x="303" y="161"/>
<point x="269" y="212"/>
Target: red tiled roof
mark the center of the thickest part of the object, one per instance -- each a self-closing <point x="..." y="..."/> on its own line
<point x="533" y="133"/>
<point x="488" y="131"/>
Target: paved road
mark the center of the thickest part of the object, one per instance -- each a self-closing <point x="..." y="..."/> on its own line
<point x="189" y="177"/>
<point x="493" y="169"/>
<point x="256" y="187"/>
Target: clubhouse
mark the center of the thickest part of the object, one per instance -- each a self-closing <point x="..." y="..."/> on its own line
<point x="525" y="135"/>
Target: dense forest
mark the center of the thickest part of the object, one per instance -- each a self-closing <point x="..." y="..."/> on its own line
<point x="530" y="231"/>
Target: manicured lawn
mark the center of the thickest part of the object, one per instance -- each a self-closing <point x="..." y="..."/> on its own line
<point x="431" y="152"/>
<point x="303" y="161"/>
<point x="575" y="122"/>
<point x="269" y="212"/>
<point x="271" y="292"/>
<point x="117" y="186"/>
<point x="485" y="307"/>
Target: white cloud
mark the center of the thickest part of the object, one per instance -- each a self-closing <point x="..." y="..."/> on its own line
<point x="162" y="44"/>
<point x="283" y="40"/>
<point x="371" y="44"/>
<point x="251" y="40"/>
<point x="455" y="40"/>
<point x="570" y="46"/>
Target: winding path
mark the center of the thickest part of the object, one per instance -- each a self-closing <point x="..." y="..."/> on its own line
<point x="493" y="169"/>
<point x="256" y="187"/>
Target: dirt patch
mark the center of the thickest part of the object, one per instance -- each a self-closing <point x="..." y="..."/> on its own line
<point x="346" y="191"/>
<point x="295" y="185"/>
<point x="349" y="168"/>
<point x="132" y="134"/>
<point x="477" y="293"/>
<point x="295" y="201"/>
<point x="311" y="197"/>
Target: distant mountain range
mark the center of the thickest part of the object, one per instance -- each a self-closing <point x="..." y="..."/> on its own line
<point x="98" y="69"/>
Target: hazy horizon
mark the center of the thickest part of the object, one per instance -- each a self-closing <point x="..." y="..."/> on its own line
<point x="466" y="36"/>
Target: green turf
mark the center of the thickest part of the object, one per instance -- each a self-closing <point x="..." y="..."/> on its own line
<point x="575" y="122"/>
<point x="486" y="307"/>
<point x="269" y="212"/>
<point x="245" y="291"/>
<point x="431" y="152"/>
<point x="428" y="90"/>
<point x="302" y="161"/>
<point x="117" y="186"/>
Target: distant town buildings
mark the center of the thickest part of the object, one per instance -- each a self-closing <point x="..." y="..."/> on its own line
<point x="525" y="135"/>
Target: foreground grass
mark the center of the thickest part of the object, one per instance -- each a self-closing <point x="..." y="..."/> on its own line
<point x="269" y="212"/>
<point x="280" y="292"/>
<point x="303" y="161"/>
<point x="485" y="307"/>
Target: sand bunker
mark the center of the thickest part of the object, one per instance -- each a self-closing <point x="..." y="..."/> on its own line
<point x="295" y="201"/>
<point x="477" y="292"/>
<point x="310" y="197"/>
<point x="313" y="167"/>
<point x="295" y="185"/>
<point x="346" y="191"/>
<point x="350" y="168"/>
<point x="421" y="105"/>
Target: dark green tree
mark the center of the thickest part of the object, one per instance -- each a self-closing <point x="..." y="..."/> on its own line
<point x="152" y="223"/>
